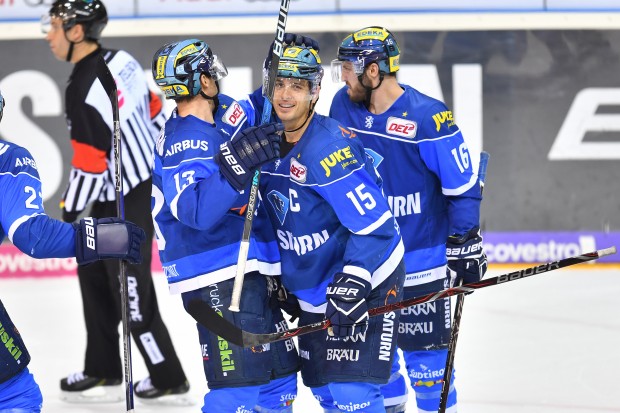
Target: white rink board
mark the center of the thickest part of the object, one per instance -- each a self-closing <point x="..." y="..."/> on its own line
<point x="548" y="344"/>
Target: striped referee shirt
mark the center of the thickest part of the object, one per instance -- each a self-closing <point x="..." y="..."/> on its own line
<point x="89" y="118"/>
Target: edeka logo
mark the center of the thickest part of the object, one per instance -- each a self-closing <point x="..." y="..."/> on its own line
<point x="9" y="344"/>
<point x="443" y="117"/>
<point x="334" y="158"/>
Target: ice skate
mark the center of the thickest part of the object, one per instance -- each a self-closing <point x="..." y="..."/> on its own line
<point x="80" y="388"/>
<point x="176" y="396"/>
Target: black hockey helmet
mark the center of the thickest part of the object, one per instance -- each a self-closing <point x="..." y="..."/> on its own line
<point x="89" y="13"/>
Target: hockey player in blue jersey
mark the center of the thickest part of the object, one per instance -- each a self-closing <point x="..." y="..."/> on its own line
<point x="432" y="189"/>
<point x="27" y="226"/>
<point x="198" y="209"/>
<point x="340" y="250"/>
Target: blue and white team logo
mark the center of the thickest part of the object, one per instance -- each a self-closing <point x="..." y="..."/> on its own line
<point x="280" y="204"/>
<point x="374" y="157"/>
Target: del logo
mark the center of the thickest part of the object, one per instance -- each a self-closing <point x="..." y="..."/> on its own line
<point x="443" y="117"/>
<point x="234" y="115"/>
<point x="401" y="127"/>
<point x="279" y="203"/>
<point x="298" y="171"/>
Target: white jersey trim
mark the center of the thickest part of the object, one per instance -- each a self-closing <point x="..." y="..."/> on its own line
<point x="365" y="231"/>
<point x="18" y="222"/>
<point x="426" y="276"/>
<point x="394" y="138"/>
<point x="461" y="189"/>
<point x="223" y="274"/>
<point x="309" y="308"/>
<point x="187" y="160"/>
<point x="389" y="266"/>
<point x="357" y="271"/>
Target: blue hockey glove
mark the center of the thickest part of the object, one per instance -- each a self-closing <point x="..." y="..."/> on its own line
<point x="246" y="152"/>
<point x="292" y="39"/>
<point x="346" y="305"/>
<point x="104" y="238"/>
<point x="466" y="258"/>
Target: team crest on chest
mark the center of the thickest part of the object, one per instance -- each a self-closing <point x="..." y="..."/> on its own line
<point x="374" y="157"/>
<point x="298" y="171"/>
<point x="401" y="127"/>
<point x="279" y="203"/>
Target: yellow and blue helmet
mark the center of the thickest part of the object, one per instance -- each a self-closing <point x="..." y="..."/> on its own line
<point x="177" y="67"/>
<point x="299" y="62"/>
<point x="369" y="45"/>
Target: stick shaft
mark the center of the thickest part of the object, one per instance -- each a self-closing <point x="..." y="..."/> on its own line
<point x="242" y="258"/>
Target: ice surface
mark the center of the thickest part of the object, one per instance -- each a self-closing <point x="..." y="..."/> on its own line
<point x="547" y="344"/>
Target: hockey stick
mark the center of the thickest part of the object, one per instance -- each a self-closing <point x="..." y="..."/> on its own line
<point x="458" y="311"/>
<point x="120" y="213"/>
<point x="244" y="247"/>
<point x="205" y="315"/>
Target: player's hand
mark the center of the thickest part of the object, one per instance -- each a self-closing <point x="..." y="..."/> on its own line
<point x="105" y="238"/>
<point x="466" y="258"/>
<point x="292" y="39"/>
<point x="347" y="309"/>
<point x="283" y="299"/>
<point x="246" y="152"/>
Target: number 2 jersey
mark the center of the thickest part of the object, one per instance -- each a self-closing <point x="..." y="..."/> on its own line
<point x="420" y="153"/>
<point x="329" y="215"/>
<point x="198" y="215"/>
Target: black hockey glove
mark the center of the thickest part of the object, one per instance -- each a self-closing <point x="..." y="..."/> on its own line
<point x="69" y="216"/>
<point x="246" y="152"/>
<point x="466" y="258"/>
<point x="282" y="299"/>
<point x="105" y="238"/>
<point x="347" y="309"/>
<point x="292" y="39"/>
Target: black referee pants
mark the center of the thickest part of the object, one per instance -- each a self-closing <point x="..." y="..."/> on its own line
<point x="100" y="286"/>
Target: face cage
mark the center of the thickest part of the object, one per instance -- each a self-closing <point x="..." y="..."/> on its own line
<point x="337" y="68"/>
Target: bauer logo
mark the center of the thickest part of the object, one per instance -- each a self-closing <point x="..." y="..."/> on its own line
<point x="234" y="115"/>
<point x="299" y="172"/>
<point x="401" y="127"/>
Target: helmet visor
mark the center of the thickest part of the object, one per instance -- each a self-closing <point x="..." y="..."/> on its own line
<point x="217" y="69"/>
<point x="341" y="69"/>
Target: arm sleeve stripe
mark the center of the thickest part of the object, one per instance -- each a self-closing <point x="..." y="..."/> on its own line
<point x="365" y="231"/>
<point x="461" y="189"/>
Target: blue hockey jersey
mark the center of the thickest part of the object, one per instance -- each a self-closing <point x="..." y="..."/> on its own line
<point x="329" y="215"/>
<point x="198" y="215"/>
<point x="22" y="215"/>
<point x="431" y="187"/>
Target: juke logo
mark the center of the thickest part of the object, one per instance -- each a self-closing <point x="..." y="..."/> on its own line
<point x="338" y="156"/>
<point x="443" y="117"/>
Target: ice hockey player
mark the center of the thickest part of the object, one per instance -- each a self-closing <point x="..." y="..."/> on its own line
<point x="426" y="167"/>
<point x="198" y="207"/>
<point x="339" y="244"/>
<point x="27" y="226"/>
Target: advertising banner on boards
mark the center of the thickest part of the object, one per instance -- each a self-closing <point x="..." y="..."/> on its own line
<point x="545" y="104"/>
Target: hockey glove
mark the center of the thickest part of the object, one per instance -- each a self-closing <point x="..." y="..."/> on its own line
<point x="98" y="239"/>
<point x="466" y="259"/>
<point x="282" y="299"/>
<point x="292" y="39"/>
<point x="346" y="305"/>
<point x="246" y="152"/>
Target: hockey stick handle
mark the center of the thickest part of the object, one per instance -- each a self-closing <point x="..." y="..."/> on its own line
<point x="120" y="213"/>
<point x="278" y="46"/>
<point x="205" y="315"/>
<point x="458" y="310"/>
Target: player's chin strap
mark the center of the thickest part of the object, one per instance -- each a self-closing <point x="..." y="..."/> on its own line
<point x="369" y="89"/>
<point x="215" y="99"/>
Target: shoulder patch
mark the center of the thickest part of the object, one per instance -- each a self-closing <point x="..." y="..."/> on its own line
<point x="234" y="115"/>
<point x="401" y="127"/>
